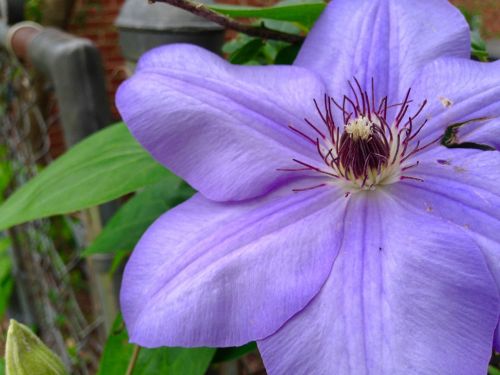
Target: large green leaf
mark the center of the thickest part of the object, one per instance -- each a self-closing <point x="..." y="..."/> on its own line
<point x="101" y="168"/>
<point x="172" y="361"/>
<point x="129" y="223"/>
<point x="304" y="13"/>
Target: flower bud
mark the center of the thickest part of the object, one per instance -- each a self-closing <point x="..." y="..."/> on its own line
<point x="26" y="354"/>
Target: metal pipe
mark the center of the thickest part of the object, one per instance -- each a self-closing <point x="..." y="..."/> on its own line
<point x="74" y="65"/>
<point x="19" y="36"/>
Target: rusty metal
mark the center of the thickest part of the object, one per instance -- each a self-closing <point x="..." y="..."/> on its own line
<point x="20" y="36"/>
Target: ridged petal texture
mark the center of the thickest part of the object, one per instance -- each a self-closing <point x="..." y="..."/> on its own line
<point x="214" y="274"/>
<point x="402" y="279"/>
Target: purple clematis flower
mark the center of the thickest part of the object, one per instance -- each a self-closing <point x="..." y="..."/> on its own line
<point x="330" y="226"/>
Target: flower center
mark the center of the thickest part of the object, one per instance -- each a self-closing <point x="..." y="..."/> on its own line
<point x="363" y="147"/>
<point x="368" y="149"/>
<point x="359" y="129"/>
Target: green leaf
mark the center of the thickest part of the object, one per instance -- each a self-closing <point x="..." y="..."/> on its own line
<point x="304" y="13"/>
<point x="2" y="366"/>
<point x="118" y="260"/>
<point x="175" y="361"/>
<point x="129" y="223"/>
<point x="493" y="371"/>
<point x="6" y="280"/>
<point x="230" y="354"/>
<point x="478" y="45"/>
<point x="117" y="351"/>
<point x="283" y="26"/>
<point x="103" y="167"/>
<point x="172" y="361"/>
<point x="287" y="55"/>
<point x="235" y="44"/>
<point x="247" y="52"/>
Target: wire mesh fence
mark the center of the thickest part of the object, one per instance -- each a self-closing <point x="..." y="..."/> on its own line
<point x="50" y="277"/>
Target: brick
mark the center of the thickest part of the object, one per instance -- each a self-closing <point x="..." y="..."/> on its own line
<point x="109" y="38"/>
<point x="489" y="10"/>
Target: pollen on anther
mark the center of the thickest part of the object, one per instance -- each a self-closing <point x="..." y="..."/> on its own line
<point x="360" y="128"/>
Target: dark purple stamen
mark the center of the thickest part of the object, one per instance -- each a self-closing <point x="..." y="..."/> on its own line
<point x="359" y="155"/>
<point x="361" y="146"/>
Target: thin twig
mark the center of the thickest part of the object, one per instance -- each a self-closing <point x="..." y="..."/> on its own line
<point x="133" y="360"/>
<point x="229" y="23"/>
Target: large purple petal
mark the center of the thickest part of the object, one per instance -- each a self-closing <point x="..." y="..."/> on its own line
<point x="223" y="128"/>
<point x="461" y="186"/>
<point x="388" y="40"/>
<point x="461" y="91"/>
<point x="408" y="294"/>
<point x="214" y="274"/>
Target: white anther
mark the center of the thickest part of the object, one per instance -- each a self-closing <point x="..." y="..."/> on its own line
<point x="360" y="128"/>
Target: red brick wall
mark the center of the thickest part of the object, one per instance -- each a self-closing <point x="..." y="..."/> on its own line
<point x="94" y="19"/>
<point x="489" y="11"/>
